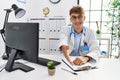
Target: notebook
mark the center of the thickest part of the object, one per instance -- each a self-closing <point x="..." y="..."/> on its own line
<point x="86" y="66"/>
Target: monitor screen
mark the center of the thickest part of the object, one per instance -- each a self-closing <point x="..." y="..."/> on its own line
<point x="24" y="38"/>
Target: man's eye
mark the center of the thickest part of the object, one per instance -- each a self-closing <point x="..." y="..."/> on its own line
<point x="74" y="17"/>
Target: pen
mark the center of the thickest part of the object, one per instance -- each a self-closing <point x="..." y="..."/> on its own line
<point x="69" y="71"/>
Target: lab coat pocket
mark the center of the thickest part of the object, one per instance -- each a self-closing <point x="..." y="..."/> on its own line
<point x="84" y="50"/>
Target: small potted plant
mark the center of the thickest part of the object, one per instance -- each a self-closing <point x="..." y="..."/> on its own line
<point x="98" y="32"/>
<point x="51" y="68"/>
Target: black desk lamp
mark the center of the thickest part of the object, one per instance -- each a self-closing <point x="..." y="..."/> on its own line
<point x="19" y="12"/>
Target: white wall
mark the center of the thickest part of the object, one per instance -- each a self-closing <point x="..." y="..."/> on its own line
<point x="33" y="10"/>
<point x="60" y="9"/>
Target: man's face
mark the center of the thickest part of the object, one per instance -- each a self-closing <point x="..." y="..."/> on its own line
<point x="77" y="20"/>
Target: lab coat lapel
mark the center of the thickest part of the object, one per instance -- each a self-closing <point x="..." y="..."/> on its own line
<point x="83" y="38"/>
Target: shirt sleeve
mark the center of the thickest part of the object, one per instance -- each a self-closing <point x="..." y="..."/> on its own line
<point x="64" y="35"/>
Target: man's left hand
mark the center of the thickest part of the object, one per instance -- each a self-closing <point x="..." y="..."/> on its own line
<point x="81" y="61"/>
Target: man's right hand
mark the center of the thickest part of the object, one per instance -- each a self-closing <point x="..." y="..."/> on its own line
<point x="65" y="50"/>
<point x="71" y="62"/>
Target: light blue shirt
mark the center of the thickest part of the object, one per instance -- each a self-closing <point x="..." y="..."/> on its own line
<point x="77" y="41"/>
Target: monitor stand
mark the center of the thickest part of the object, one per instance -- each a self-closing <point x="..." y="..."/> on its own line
<point x="11" y="65"/>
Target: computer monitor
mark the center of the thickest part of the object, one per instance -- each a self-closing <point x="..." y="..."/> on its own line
<point x="22" y="39"/>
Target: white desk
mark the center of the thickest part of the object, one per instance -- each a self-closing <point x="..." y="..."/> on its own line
<point x="108" y="69"/>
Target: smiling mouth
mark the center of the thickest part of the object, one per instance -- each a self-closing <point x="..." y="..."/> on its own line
<point x="80" y="23"/>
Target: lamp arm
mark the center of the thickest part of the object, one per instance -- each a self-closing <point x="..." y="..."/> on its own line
<point x="2" y="35"/>
<point x="77" y="2"/>
<point x="6" y="17"/>
<point x="2" y="31"/>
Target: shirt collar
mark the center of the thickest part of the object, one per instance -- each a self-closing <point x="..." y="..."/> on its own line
<point x="72" y="31"/>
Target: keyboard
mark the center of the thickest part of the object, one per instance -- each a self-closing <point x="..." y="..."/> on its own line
<point x="44" y="61"/>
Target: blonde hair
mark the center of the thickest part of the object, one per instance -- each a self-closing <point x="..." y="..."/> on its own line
<point x="77" y="9"/>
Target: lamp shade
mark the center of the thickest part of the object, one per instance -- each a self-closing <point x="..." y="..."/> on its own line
<point x="19" y="12"/>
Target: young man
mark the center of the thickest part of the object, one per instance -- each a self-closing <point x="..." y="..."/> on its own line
<point x="78" y="40"/>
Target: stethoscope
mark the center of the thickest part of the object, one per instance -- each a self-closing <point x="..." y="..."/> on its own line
<point x="83" y="44"/>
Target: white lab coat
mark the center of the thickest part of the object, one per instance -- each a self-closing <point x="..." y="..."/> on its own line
<point x="90" y="38"/>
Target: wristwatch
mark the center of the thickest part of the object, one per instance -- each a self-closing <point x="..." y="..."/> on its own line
<point x="54" y="1"/>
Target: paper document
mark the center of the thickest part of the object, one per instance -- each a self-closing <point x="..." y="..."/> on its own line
<point x="83" y="67"/>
